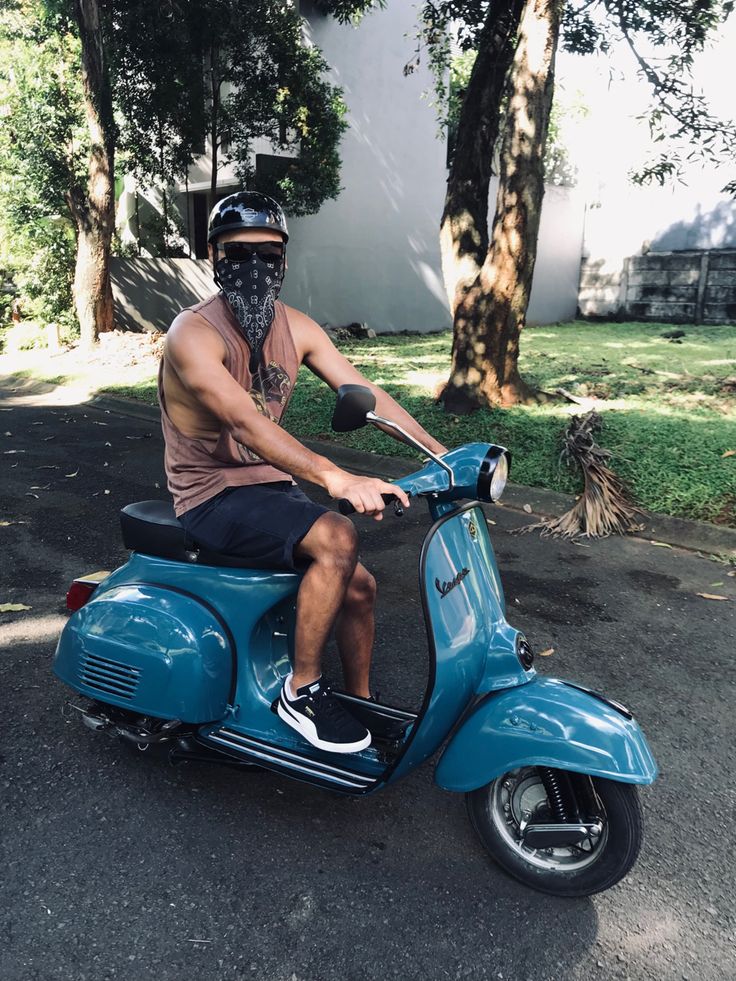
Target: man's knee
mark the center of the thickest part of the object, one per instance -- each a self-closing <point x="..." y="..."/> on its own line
<point x="334" y="540"/>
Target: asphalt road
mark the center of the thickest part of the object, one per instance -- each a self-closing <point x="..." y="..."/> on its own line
<point x="115" y="866"/>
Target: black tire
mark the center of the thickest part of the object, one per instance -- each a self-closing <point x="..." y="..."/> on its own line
<point x="607" y="862"/>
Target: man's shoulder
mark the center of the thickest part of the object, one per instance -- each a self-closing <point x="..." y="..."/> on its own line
<point x="302" y="326"/>
<point x="297" y="317"/>
<point x="191" y="327"/>
<point x="200" y="309"/>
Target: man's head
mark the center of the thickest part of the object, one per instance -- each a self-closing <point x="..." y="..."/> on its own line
<point x="247" y="238"/>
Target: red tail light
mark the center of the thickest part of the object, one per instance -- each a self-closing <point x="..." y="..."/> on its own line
<point x="81" y="590"/>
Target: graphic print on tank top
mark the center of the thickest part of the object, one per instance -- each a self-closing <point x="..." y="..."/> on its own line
<point x="270" y="383"/>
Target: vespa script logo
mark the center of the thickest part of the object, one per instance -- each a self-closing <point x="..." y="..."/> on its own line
<point x="444" y="588"/>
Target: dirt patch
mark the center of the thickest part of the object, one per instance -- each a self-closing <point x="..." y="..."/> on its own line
<point x="727" y="514"/>
<point x="652" y="581"/>
<point x="552" y="599"/>
<point x="121" y="357"/>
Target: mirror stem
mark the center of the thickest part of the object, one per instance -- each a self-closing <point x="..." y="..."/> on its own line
<point x="372" y="417"/>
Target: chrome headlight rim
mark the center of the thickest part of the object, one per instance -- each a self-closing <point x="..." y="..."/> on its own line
<point x="494" y="471"/>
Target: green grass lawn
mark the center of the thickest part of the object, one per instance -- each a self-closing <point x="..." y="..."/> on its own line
<point x="669" y="409"/>
<point x="670" y="416"/>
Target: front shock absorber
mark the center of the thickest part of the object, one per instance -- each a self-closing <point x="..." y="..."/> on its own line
<point x="555" y="794"/>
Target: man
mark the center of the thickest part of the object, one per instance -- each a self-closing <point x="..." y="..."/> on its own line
<point x="228" y="370"/>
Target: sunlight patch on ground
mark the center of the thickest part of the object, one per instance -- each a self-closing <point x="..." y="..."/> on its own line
<point x="627" y="343"/>
<point x="71" y="376"/>
<point x="426" y="381"/>
<point x="37" y="629"/>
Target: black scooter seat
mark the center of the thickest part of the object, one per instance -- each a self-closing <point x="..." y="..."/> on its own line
<point x="152" y="528"/>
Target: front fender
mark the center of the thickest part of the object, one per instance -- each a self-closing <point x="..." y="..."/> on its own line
<point x="545" y="723"/>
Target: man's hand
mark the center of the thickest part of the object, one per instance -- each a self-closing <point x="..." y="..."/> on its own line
<point x="364" y="493"/>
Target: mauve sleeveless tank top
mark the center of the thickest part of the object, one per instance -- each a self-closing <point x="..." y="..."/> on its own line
<point x="196" y="468"/>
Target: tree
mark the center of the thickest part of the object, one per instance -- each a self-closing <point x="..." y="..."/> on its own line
<point x="138" y="66"/>
<point x="93" y="208"/>
<point x="489" y="310"/>
<point x="158" y="82"/>
<point x="264" y="82"/>
<point x="489" y="281"/>
<point x="43" y="152"/>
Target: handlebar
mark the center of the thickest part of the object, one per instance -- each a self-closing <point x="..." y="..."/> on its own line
<point x="345" y="507"/>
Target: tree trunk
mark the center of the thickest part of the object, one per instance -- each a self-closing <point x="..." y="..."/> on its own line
<point x="95" y="211"/>
<point x="214" y="133"/>
<point x="464" y="225"/>
<point x="490" y="312"/>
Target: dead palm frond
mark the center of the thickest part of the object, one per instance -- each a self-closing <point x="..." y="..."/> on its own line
<point x="604" y="508"/>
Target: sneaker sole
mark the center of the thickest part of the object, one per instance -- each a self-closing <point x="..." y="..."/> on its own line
<point x="313" y="739"/>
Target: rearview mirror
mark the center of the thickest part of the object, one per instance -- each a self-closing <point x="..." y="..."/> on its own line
<point x="353" y="402"/>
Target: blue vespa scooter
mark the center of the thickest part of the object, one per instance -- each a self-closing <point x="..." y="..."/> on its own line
<point x="186" y="651"/>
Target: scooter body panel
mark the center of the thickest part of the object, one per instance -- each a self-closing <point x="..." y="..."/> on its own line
<point x="253" y="611"/>
<point x="472" y="647"/>
<point x="186" y="626"/>
<point x="149" y="650"/>
<point x="545" y="723"/>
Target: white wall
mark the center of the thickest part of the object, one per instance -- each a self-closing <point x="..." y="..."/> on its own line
<point x="373" y="254"/>
<point x="557" y="271"/>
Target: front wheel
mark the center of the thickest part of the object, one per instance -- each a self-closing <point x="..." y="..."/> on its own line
<point x="500" y="810"/>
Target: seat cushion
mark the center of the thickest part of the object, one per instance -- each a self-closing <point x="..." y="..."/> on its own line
<point x="152" y="528"/>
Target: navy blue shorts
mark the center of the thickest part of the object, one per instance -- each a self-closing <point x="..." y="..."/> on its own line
<point x="262" y="522"/>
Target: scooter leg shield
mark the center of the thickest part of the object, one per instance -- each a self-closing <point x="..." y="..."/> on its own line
<point x="545" y="723"/>
<point x="150" y="650"/>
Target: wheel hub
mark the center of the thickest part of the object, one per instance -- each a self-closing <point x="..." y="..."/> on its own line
<point x="518" y="799"/>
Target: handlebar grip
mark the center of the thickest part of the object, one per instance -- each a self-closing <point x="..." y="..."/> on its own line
<point x="345" y="507"/>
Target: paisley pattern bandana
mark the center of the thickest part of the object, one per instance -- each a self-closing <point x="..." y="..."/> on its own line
<point x="251" y="289"/>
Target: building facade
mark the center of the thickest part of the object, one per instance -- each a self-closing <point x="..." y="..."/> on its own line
<point x="372" y="255"/>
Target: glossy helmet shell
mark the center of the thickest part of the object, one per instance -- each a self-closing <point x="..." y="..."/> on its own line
<point x="246" y="209"/>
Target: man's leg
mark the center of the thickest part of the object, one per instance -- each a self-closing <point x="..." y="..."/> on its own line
<point x="332" y="545"/>
<point x="355" y="630"/>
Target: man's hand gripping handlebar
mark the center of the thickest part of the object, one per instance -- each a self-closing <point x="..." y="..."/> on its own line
<point x="365" y="495"/>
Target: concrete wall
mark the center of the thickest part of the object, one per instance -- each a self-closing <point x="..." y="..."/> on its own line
<point x="661" y="254"/>
<point x="373" y="254"/>
<point x="150" y="292"/>
<point x="674" y="287"/>
<point x="557" y="271"/>
<point x="341" y="282"/>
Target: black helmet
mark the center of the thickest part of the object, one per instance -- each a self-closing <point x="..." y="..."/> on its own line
<point x="246" y="209"/>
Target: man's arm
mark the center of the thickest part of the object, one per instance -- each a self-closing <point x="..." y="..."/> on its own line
<point x="195" y="351"/>
<point x="322" y="357"/>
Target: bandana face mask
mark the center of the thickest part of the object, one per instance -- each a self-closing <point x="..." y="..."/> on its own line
<point x="250" y="275"/>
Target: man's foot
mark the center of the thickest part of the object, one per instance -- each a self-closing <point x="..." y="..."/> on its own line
<point x="319" y="717"/>
<point x="380" y="725"/>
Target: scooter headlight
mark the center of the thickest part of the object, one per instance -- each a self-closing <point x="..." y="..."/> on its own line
<point x="494" y="472"/>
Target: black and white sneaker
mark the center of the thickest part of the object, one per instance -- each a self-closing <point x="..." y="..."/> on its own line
<point x="319" y="717"/>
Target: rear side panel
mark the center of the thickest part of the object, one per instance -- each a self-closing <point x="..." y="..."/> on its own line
<point x="150" y="650"/>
